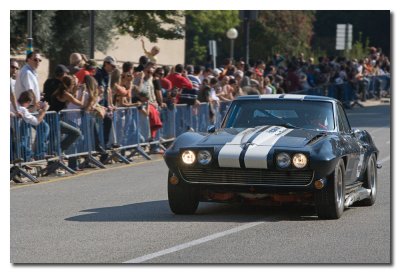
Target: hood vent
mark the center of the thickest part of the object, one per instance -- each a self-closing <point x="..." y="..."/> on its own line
<point x="316" y="138"/>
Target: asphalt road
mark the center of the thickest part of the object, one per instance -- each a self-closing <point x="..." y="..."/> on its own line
<point x="121" y="215"/>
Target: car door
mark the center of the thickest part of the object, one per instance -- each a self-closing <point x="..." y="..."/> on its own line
<point x="351" y="146"/>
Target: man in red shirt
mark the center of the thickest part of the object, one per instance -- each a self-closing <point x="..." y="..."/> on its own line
<point x="178" y="80"/>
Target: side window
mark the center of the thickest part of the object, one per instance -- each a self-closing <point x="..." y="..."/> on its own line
<point x="344" y="125"/>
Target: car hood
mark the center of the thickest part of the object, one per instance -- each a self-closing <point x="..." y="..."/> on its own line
<point x="277" y="136"/>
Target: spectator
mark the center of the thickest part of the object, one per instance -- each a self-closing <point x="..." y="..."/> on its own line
<point x="143" y="60"/>
<point x="14" y="67"/>
<point x="146" y="87"/>
<point x="121" y="94"/>
<point x="103" y="81"/>
<point x="52" y="84"/>
<point x="89" y="69"/>
<point x="152" y="53"/>
<point x="159" y="91"/>
<point x="28" y="78"/>
<point x="179" y="82"/>
<point x="166" y="85"/>
<point x="76" y="62"/>
<point x="24" y="100"/>
<point x="59" y="100"/>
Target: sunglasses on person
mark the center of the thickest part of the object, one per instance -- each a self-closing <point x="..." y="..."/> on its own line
<point x="37" y="60"/>
<point x="14" y="67"/>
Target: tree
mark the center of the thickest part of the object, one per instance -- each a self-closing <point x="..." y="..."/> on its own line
<point x="57" y="34"/>
<point x="286" y="32"/>
<point x="202" y="26"/>
<point x="151" y="23"/>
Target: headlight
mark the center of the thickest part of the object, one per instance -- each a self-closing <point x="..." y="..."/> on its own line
<point x="283" y="160"/>
<point x="299" y="160"/>
<point x="204" y="157"/>
<point x="188" y="157"/>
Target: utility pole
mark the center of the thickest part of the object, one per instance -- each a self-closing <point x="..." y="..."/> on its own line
<point x="92" y="15"/>
<point x="29" y="47"/>
<point x="246" y="16"/>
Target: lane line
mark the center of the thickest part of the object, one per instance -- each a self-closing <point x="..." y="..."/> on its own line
<point x="384" y="160"/>
<point x="193" y="243"/>
<point x="84" y="174"/>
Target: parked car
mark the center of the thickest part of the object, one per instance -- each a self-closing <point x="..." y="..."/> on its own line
<point x="275" y="149"/>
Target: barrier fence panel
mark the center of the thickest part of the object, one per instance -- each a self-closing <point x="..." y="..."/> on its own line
<point x="183" y="119"/>
<point x="126" y="129"/>
<point x="168" y="120"/>
<point x="15" y="147"/>
<point x="202" y="118"/>
<point x="75" y="119"/>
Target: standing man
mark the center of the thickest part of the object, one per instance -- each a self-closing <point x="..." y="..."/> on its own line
<point x="28" y="78"/>
<point x="103" y="80"/>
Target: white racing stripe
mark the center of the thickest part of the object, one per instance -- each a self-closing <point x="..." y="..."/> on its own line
<point x="230" y="152"/>
<point x="256" y="154"/>
<point x="193" y="243"/>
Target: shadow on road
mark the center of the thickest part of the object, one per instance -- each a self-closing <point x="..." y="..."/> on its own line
<point x="158" y="211"/>
<point x="371" y="116"/>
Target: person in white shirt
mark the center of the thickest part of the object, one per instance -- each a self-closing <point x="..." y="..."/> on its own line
<point x="27" y="78"/>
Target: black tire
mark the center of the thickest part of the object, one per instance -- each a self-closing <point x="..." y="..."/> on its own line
<point x="370" y="181"/>
<point x="329" y="201"/>
<point x="182" y="198"/>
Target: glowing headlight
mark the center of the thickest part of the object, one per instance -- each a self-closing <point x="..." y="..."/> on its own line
<point x="204" y="157"/>
<point x="283" y="160"/>
<point x="188" y="157"/>
<point x="299" y="160"/>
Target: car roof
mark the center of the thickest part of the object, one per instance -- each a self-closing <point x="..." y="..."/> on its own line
<point x="287" y="97"/>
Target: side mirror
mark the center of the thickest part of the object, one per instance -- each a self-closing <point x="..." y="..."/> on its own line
<point x="211" y="129"/>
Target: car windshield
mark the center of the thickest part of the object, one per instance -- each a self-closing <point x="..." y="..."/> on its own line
<point x="314" y="115"/>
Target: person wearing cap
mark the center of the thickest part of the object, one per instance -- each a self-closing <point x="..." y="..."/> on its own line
<point x="51" y="85"/>
<point x="89" y="69"/>
<point x="103" y="80"/>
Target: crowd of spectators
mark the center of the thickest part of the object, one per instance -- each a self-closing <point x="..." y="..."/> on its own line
<point x="100" y="88"/>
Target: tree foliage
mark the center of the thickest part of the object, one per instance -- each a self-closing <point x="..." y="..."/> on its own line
<point x="151" y="24"/>
<point x="59" y="33"/>
<point x="286" y="32"/>
<point x="205" y="25"/>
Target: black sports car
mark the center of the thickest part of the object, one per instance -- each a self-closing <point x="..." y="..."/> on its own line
<point x="275" y="149"/>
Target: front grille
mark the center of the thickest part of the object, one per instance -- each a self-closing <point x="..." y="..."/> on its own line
<point x="246" y="176"/>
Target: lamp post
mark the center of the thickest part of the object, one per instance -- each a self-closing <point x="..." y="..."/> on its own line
<point x="232" y="34"/>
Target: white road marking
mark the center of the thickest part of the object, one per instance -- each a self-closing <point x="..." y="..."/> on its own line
<point x="384" y="160"/>
<point x="193" y="243"/>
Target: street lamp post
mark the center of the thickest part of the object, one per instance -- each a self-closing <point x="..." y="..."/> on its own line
<point x="232" y="34"/>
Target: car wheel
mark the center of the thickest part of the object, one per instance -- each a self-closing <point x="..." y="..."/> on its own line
<point x="182" y="198"/>
<point x="370" y="181"/>
<point x="329" y="201"/>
